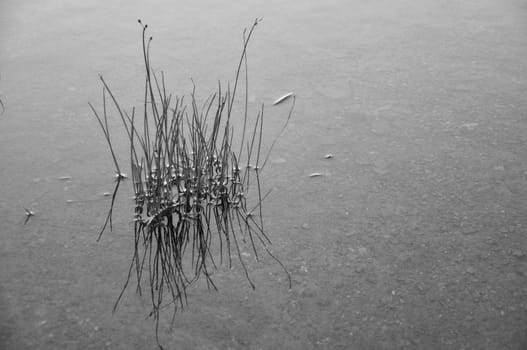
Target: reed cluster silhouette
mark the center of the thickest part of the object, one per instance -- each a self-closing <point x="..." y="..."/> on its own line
<point x="196" y="182"/>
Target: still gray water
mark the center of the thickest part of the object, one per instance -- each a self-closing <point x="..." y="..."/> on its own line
<point x="413" y="237"/>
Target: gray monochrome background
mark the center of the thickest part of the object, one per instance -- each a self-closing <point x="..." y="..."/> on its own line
<point x="413" y="238"/>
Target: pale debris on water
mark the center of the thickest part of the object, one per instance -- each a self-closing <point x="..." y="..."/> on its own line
<point x="315" y="174"/>
<point x="328" y="156"/>
<point x="283" y="98"/>
<point x="29" y="214"/>
<point x="120" y="176"/>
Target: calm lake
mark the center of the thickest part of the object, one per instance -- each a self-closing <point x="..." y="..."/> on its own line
<point x="413" y="237"/>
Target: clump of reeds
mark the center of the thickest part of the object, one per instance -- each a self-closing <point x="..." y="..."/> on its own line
<point x="191" y="184"/>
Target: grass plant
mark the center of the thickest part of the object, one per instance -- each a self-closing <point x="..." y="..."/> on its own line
<point x="197" y="192"/>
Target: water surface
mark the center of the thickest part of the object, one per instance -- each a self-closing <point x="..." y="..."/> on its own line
<point x="414" y="237"/>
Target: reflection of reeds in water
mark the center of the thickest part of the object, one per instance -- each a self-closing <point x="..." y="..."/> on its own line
<point x="190" y="185"/>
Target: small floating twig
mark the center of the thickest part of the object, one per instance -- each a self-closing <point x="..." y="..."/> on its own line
<point x="315" y="174"/>
<point x="63" y="178"/>
<point x="283" y="98"/>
